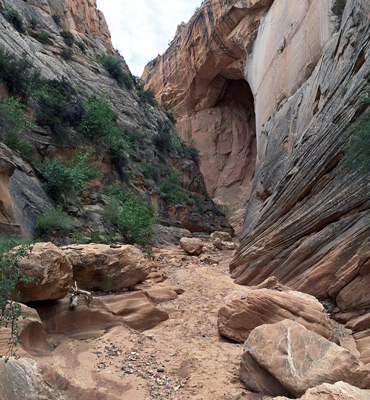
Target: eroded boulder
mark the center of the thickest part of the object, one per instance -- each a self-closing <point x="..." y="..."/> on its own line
<point x="192" y="246"/>
<point x="287" y="359"/>
<point x="242" y="311"/>
<point x="99" y="267"/>
<point x="50" y="271"/>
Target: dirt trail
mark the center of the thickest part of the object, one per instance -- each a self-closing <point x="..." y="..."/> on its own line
<point x="181" y="358"/>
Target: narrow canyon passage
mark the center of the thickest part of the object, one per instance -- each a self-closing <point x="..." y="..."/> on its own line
<point x="225" y="133"/>
<point x="195" y="362"/>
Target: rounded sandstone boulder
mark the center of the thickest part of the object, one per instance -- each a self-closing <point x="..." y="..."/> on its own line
<point x="192" y="246"/>
<point x="50" y="272"/>
<point x="99" y="267"/>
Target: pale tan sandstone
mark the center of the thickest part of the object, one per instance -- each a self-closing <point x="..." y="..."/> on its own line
<point x="31" y="334"/>
<point x="244" y="310"/>
<point x="225" y="236"/>
<point x="340" y="390"/>
<point x="192" y="246"/>
<point x="287" y="359"/>
<point x="104" y="268"/>
<point x="50" y="271"/>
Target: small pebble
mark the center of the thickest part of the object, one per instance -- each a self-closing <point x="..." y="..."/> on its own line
<point x="160" y="369"/>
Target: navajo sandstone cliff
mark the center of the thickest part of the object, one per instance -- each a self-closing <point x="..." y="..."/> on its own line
<point x="268" y="91"/>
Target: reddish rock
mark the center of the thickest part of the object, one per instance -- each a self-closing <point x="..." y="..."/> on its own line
<point x="287" y="359"/>
<point x="244" y="310"/>
<point x="326" y="391"/>
<point x="160" y="294"/>
<point x="100" y="267"/>
<point x="225" y="236"/>
<point x="132" y="309"/>
<point x="31" y="334"/>
<point x="363" y="345"/>
<point x="51" y="274"/>
<point x="192" y="246"/>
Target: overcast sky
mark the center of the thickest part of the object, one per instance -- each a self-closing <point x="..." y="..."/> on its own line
<point x="142" y="29"/>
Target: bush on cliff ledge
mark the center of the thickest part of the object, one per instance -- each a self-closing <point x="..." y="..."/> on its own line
<point x="114" y="66"/>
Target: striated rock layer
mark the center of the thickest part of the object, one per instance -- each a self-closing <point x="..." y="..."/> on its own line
<point x="306" y="70"/>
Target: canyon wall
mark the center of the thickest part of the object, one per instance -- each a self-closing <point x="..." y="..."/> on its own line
<point x="63" y="41"/>
<point x="298" y="76"/>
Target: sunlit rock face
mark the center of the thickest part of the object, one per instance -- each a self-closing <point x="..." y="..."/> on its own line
<point x="226" y="72"/>
<point x="267" y="91"/>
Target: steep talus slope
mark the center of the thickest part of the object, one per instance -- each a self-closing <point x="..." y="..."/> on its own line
<point x="46" y="42"/>
<point x="305" y="68"/>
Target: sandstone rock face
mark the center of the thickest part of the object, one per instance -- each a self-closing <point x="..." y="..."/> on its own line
<point x="22" y="379"/>
<point x="132" y="309"/>
<point x="287" y="359"/>
<point x="326" y="391"/>
<point x="51" y="274"/>
<point x="31" y="334"/>
<point x="100" y="267"/>
<point x="242" y="311"/>
<point x="192" y="246"/>
<point x="304" y="68"/>
<point x="225" y="236"/>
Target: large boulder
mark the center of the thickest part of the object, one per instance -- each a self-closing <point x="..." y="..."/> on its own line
<point x="100" y="267"/>
<point x="287" y="359"/>
<point x="191" y="246"/>
<point x="242" y="311"/>
<point x="340" y="390"/>
<point x="50" y="271"/>
<point x="132" y="309"/>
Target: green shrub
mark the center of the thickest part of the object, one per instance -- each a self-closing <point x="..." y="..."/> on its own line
<point x="198" y="203"/>
<point x="56" y="19"/>
<point x="68" y="37"/>
<point x="52" y="220"/>
<point x="99" y="122"/>
<point x="66" y="54"/>
<point x="17" y="73"/>
<point x="12" y="125"/>
<point x="14" y="18"/>
<point x="129" y="213"/>
<point x="170" y="189"/>
<point x="10" y="275"/>
<point x="171" y="116"/>
<point x="114" y="66"/>
<point x="55" y="99"/>
<point x="81" y="46"/>
<point x="163" y="140"/>
<point x="357" y="153"/>
<point x="43" y="37"/>
<point x="69" y="179"/>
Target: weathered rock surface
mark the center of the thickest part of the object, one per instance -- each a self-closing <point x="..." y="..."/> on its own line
<point x="31" y="334"/>
<point x="244" y="310"/>
<point x="224" y="236"/>
<point x="305" y="68"/>
<point x="340" y="390"/>
<point x="131" y="309"/>
<point x="22" y="379"/>
<point x="287" y="359"/>
<point x="192" y="246"/>
<point x="99" y="267"/>
<point x="50" y="271"/>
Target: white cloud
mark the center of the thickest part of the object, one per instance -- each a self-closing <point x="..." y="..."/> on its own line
<point x="141" y="29"/>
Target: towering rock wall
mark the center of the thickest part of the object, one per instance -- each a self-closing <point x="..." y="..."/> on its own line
<point x="22" y="198"/>
<point x="305" y="68"/>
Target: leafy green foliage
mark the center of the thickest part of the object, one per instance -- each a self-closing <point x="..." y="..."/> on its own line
<point x="198" y="203"/>
<point x="146" y="96"/>
<point x="16" y="73"/>
<point x="170" y="189"/>
<point x="163" y="140"/>
<point x="56" y="100"/>
<point x="100" y="123"/>
<point x="56" y="19"/>
<point x="81" y="46"/>
<point x="69" y="179"/>
<point x="68" y="37"/>
<point x="12" y="125"/>
<point x="10" y="275"/>
<point x="357" y="153"/>
<point x="52" y="220"/>
<point x="43" y="37"/>
<point x="66" y="54"/>
<point x="114" y="66"/>
<point x="129" y="213"/>
<point x="14" y="18"/>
